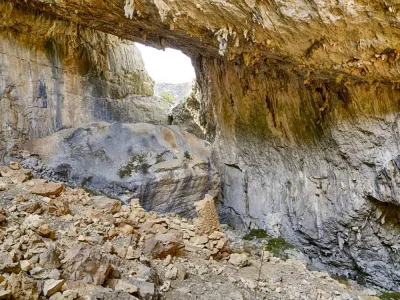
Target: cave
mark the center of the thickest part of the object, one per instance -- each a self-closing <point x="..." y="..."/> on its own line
<point x="299" y="103"/>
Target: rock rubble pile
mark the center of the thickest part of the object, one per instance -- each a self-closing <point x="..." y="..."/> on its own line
<point x="60" y="243"/>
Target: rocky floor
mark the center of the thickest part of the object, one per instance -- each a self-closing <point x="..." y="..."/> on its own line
<point x="62" y="243"/>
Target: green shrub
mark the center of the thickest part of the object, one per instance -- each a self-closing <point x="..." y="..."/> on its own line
<point x="256" y="234"/>
<point x="390" y="296"/>
<point x="187" y="155"/>
<point x="168" y="97"/>
<point x="135" y="164"/>
<point x="278" y="246"/>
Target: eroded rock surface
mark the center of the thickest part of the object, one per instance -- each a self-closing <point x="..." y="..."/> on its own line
<point x="168" y="169"/>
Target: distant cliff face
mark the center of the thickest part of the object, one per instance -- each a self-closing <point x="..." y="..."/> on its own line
<point x="177" y="90"/>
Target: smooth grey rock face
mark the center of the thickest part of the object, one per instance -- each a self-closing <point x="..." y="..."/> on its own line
<point x="166" y="168"/>
<point x="338" y="201"/>
<point x="46" y="86"/>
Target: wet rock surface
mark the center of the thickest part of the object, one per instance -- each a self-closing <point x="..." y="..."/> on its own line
<point x="95" y="258"/>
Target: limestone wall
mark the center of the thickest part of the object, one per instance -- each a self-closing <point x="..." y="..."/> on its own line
<point x="316" y="162"/>
<point x="61" y="81"/>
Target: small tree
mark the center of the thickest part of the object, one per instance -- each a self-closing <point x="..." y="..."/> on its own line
<point x="167" y="97"/>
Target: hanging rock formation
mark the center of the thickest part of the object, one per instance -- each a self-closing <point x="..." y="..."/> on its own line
<point x="300" y="100"/>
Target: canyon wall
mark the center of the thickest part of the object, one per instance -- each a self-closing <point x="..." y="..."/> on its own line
<point x="316" y="162"/>
<point x="301" y="100"/>
<point x="55" y="76"/>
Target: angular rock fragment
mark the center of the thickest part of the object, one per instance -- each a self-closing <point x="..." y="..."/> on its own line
<point x="50" y="258"/>
<point x="161" y="245"/>
<point x="5" y="295"/>
<point x="239" y="260"/>
<point x="29" y="207"/>
<point x="52" y="286"/>
<point x="16" y="176"/>
<point x="10" y="267"/>
<point x="121" y="285"/>
<point x="86" y="264"/>
<point x="105" y="204"/>
<point x="15" y="165"/>
<point x="147" y="290"/>
<point x="23" y="287"/>
<point x="43" y="188"/>
<point x="67" y="295"/>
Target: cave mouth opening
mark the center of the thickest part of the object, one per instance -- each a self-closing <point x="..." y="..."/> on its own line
<point x="171" y="70"/>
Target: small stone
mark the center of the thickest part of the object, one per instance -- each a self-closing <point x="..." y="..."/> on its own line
<point x="132" y="253"/>
<point x="67" y="295"/>
<point x="44" y="229"/>
<point x="126" y="229"/>
<point x="121" y="252"/>
<point x="216" y="235"/>
<point x="29" y="207"/>
<point x="167" y="260"/>
<point x="239" y="260"/>
<point x="20" y="198"/>
<point x="3" y="218"/>
<point x="36" y="272"/>
<point x="46" y="189"/>
<point x="3" y="186"/>
<point x="165" y="287"/>
<point x="54" y="274"/>
<point x="220" y="244"/>
<point x="144" y="272"/>
<point x="147" y="290"/>
<point x="25" y="265"/>
<point x="126" y="287"/>
<point x="109" y="247"/>
<point x="52" y="286"/>
<point x="184" y="290"/>
<point x="201" y="240"/>
<point x="15" y="165"/>
<point x="105" y="204"/>
<point x="171" y="273"/>
<point x="5" y="295"/>
<point x="202" y="270"/>
<point x="12" y="267"/>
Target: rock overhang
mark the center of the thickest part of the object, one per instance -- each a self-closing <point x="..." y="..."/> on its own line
<point x="347" y="40"/>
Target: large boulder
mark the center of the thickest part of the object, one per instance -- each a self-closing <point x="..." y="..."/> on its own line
<point x="166" y="168"/>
